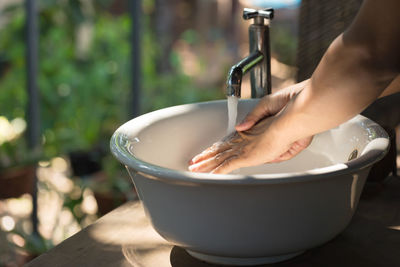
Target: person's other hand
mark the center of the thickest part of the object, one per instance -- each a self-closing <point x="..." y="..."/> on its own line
<point x="254" y="142"/>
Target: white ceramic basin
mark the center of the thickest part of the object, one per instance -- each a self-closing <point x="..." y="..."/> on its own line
<point x="262" y="214"/>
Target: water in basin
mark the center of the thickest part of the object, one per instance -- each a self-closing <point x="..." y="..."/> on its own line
<point x="297" y="164"/>
<point x="182" y="136"/>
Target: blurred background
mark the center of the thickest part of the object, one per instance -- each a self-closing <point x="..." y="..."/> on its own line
<point x="100" y="63"/>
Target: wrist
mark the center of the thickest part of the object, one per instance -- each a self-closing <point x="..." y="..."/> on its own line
<point x="292" y="123"/>
<point x="293" y="90"/>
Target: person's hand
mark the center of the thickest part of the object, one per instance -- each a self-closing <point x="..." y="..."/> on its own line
<point x="254" y="142"/>
<point x="246" y="148"/>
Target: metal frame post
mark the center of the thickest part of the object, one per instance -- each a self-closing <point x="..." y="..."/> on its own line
<point x="136" y="12"/>
<point x="33" y="131"/>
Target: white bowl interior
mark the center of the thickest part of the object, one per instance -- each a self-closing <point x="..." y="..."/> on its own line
<point x="171" y="137"/>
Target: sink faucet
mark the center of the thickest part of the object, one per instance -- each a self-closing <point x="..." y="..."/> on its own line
<point x="258" y="62"/>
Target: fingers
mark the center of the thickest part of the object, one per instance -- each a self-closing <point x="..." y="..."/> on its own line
<point x="267" y="106"/>
<point x="213" y="156"/>
<point x="210" y="152"/>
<point x="294" y="150"/>
<point x="286" y="156"/>
<point x="213" y="162"/>
<point x="270" y="105"/>
<point x="254" y="116"/>
<point x="228" y="165"/>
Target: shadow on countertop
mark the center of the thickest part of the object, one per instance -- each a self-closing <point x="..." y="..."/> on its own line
<point x="371" y="240"/>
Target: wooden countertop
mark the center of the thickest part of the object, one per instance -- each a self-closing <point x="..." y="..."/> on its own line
<point x="124" y="237"/>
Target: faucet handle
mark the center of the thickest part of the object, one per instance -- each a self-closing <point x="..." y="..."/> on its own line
<point x="249" y="13"/>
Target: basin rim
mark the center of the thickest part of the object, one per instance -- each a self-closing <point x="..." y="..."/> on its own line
<point x="119" y="149"/>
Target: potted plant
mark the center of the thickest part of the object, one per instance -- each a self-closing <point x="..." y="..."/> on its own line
<point x="17" y="163"/>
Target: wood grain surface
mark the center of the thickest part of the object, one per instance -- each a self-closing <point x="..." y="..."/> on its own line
<point x="124" y="237"/>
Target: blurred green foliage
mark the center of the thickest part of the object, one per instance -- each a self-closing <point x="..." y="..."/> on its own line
<point x="84" y="73"/>
<point x="84" y="79"/>
<point x="284" y="44"/>
<point x="13" y="145"/>
<point x="34" y="244"/>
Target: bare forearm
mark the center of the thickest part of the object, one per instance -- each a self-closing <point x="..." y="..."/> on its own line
<point x="342" y="86"/>
<point x="360" y="66"/>
<point x="393" y="87"/>
<point x="355" y="70"/>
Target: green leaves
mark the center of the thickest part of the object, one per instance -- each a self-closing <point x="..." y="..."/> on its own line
<point x="84" y="74"/>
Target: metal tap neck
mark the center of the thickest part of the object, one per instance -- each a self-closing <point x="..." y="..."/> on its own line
<point x="259" y="60"/>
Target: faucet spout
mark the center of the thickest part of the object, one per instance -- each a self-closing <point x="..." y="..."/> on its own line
<point x="234" y="80"/>
<point x="259" y="59"/>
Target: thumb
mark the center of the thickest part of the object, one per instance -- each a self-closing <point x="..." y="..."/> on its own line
<point x="259" y="112"/>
